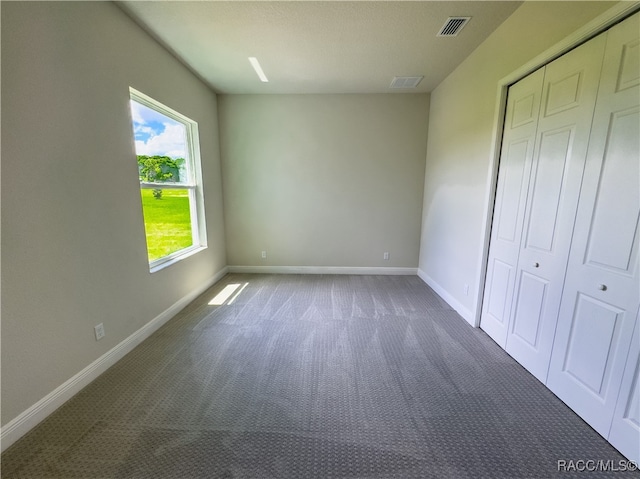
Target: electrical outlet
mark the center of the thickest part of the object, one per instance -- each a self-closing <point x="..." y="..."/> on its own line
<point x="264" y="255"/>
<point x="385" y="256"/>
<point x="99" y="330"/>
<point x="466" y="290"/>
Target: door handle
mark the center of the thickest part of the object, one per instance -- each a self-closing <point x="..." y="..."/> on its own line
<point x="602" y="287"/>
<point x="536" y="264"/>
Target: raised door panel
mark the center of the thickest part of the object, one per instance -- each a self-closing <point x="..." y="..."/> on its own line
<point x="616" y="205"/>
<point x="602" y="288"/>
<point x="510" y="204"/>
<point x="568" y="101"/>
<point x="513" y="177"/>
<point x="548" y="188"/>
<point x="497" y="289"/>
<point x="595" y="329"/>
<point x="529" y="307"/>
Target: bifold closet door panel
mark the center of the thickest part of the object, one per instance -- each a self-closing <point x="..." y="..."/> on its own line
<point x="625" y="428"/>
<point x="568" y="101"/>
<point x="523" y="104"/>
<point x="602" y="288"/>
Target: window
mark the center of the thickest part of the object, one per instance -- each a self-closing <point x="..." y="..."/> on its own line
<point x="167" y="150"/>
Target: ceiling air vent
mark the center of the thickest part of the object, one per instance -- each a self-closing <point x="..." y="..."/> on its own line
<point x="405" y="82"/>
<point x="452" y="26"/>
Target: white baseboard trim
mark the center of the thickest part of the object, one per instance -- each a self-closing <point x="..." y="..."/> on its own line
<point x="323" y="270"/>
<point x="19" y="426"/>
<point x="444" y="294"/>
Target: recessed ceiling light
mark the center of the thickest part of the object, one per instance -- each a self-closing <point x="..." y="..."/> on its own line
<point x="256" y="66"/>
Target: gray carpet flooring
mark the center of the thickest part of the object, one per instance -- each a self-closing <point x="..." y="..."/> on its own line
<point x="312" y="377"/>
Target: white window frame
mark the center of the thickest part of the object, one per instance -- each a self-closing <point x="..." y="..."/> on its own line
<point x="193" y="181"/>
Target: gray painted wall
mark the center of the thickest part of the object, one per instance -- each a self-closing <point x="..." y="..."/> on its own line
<point x="73" y="244"/>
<point x="323" y="180"/>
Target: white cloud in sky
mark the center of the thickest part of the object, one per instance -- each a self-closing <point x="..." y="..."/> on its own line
<point x="136" y="113"/>
<point x="145" y="130"/>
<point x="168" y="141"/>
<point x="171" y="142"/>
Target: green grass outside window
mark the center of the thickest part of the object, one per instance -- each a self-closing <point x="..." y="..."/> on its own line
<point x="167" y="222"/>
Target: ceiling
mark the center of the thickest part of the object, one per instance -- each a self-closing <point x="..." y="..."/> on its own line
<point x="317" y="47"/>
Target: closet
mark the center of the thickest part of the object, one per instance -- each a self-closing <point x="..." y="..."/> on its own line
<point x="562" y="290"/>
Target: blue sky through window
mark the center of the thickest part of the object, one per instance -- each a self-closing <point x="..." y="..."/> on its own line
<point x="157" y="134"/>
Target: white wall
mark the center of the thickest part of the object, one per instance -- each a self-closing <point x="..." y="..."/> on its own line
<point x="73" y="244"/>
<point x="323" y="180"/>
<point x="462" y="118"/>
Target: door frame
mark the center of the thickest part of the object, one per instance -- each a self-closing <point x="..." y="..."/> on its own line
<point x="596" y="26"/>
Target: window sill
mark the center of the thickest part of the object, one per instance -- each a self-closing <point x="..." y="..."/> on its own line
<point x="179" y="256"/>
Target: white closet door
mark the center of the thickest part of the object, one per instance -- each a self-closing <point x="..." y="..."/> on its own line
<point x="568" y="101"/>
<point x="523" y="104"/>
<point x="602" y="290"/>
<point x="625" y="428"/>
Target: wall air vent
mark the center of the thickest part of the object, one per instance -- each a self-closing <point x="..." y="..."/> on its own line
<point x="452" y="26"/>
<point x="399" y="83"/>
